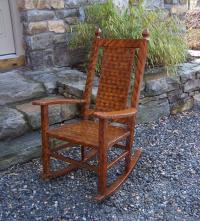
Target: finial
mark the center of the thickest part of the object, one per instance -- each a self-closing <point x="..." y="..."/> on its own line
<point x="146" y="34"/>
<point x="98" y="33"/>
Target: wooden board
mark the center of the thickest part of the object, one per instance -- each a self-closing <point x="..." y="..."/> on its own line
<point x="12" y="63"/>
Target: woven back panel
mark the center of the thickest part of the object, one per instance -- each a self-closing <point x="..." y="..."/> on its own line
<point x="115" y="78"/>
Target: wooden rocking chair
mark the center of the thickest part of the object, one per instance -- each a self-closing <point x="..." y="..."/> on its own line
<point x="111" y="105"/>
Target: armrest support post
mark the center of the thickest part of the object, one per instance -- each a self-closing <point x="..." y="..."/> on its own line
<point x="44" y="118"/>
<point x="45" y="147"/>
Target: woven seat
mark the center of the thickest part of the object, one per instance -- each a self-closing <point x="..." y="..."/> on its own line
<point x="87" y="133"/>
<point x="95" y="134"/>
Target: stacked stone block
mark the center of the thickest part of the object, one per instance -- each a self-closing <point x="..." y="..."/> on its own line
<point x="19" y="120"/>
<point x="48" y="26"/>
<point x="166" y="93"/>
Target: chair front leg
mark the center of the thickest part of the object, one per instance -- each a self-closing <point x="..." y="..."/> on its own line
<point x="45" y="142"/>
<point x="102" y="158"/>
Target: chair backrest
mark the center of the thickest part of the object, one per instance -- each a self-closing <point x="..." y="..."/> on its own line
<point x="119" y="55"/>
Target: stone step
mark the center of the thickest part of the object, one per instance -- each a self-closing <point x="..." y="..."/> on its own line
<point x="18" y="88"/>
<point x="71" y="83"/>
<point x="50" y="77"/>
<point x="12" y="123"/>
<point x="20" y="150"/>
<point x="14" y="87"/>
<point x="194" y="53"/>
<point x="21" y="85"/>
<point x="197" y="101"/>
<point x="57" y="113"/>
<point x="17" y="120"/>
<point x="76" y="88"/>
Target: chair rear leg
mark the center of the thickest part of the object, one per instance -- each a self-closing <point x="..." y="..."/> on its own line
<point x="129" y="144"/>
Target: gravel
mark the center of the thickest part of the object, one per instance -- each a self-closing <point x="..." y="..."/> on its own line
<point x="165" y="184"/>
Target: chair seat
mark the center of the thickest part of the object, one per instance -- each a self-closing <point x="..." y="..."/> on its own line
<point x="87" y="133"/>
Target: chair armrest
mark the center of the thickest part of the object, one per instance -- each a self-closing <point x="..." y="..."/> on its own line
<point x="57" y="101"/>
<point x="116" y="114"/>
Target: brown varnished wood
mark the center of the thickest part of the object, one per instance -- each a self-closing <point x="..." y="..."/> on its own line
<point x="120" y="146"/>
<point x="129" y="143"/>
<point x="87" y="133"/>
<point x="141" y="59"/>
<point x="120" y="43"/>
<point x="102" y="156"/>
<point x="82" y="152"/>
<point x="114" y="79"/>
<point x="12" y="63"/>
<point x="90" y="74"/>
<point x="45" y="141"/>
<point x="57" y="101"/>
<point x="111" y="105"/>
<point x="74" y="162"/>
<point x="121" y="179"/>
<point x="122" y="156"/>
<point x="60" y="172"/>
<point x="116" y="114"/>
<point x="62" y="146"/>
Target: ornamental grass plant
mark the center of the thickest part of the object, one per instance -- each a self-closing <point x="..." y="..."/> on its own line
<point x="167" y="45"/>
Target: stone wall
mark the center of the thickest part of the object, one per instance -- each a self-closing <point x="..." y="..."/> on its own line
<point x="48" y="27"/>
<point x="166" y="93"/>
<point x="47" y="30"/>
<point x="19" y="119"/>
<point x="162" y="94"/>
<point x="178" y="7"/>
